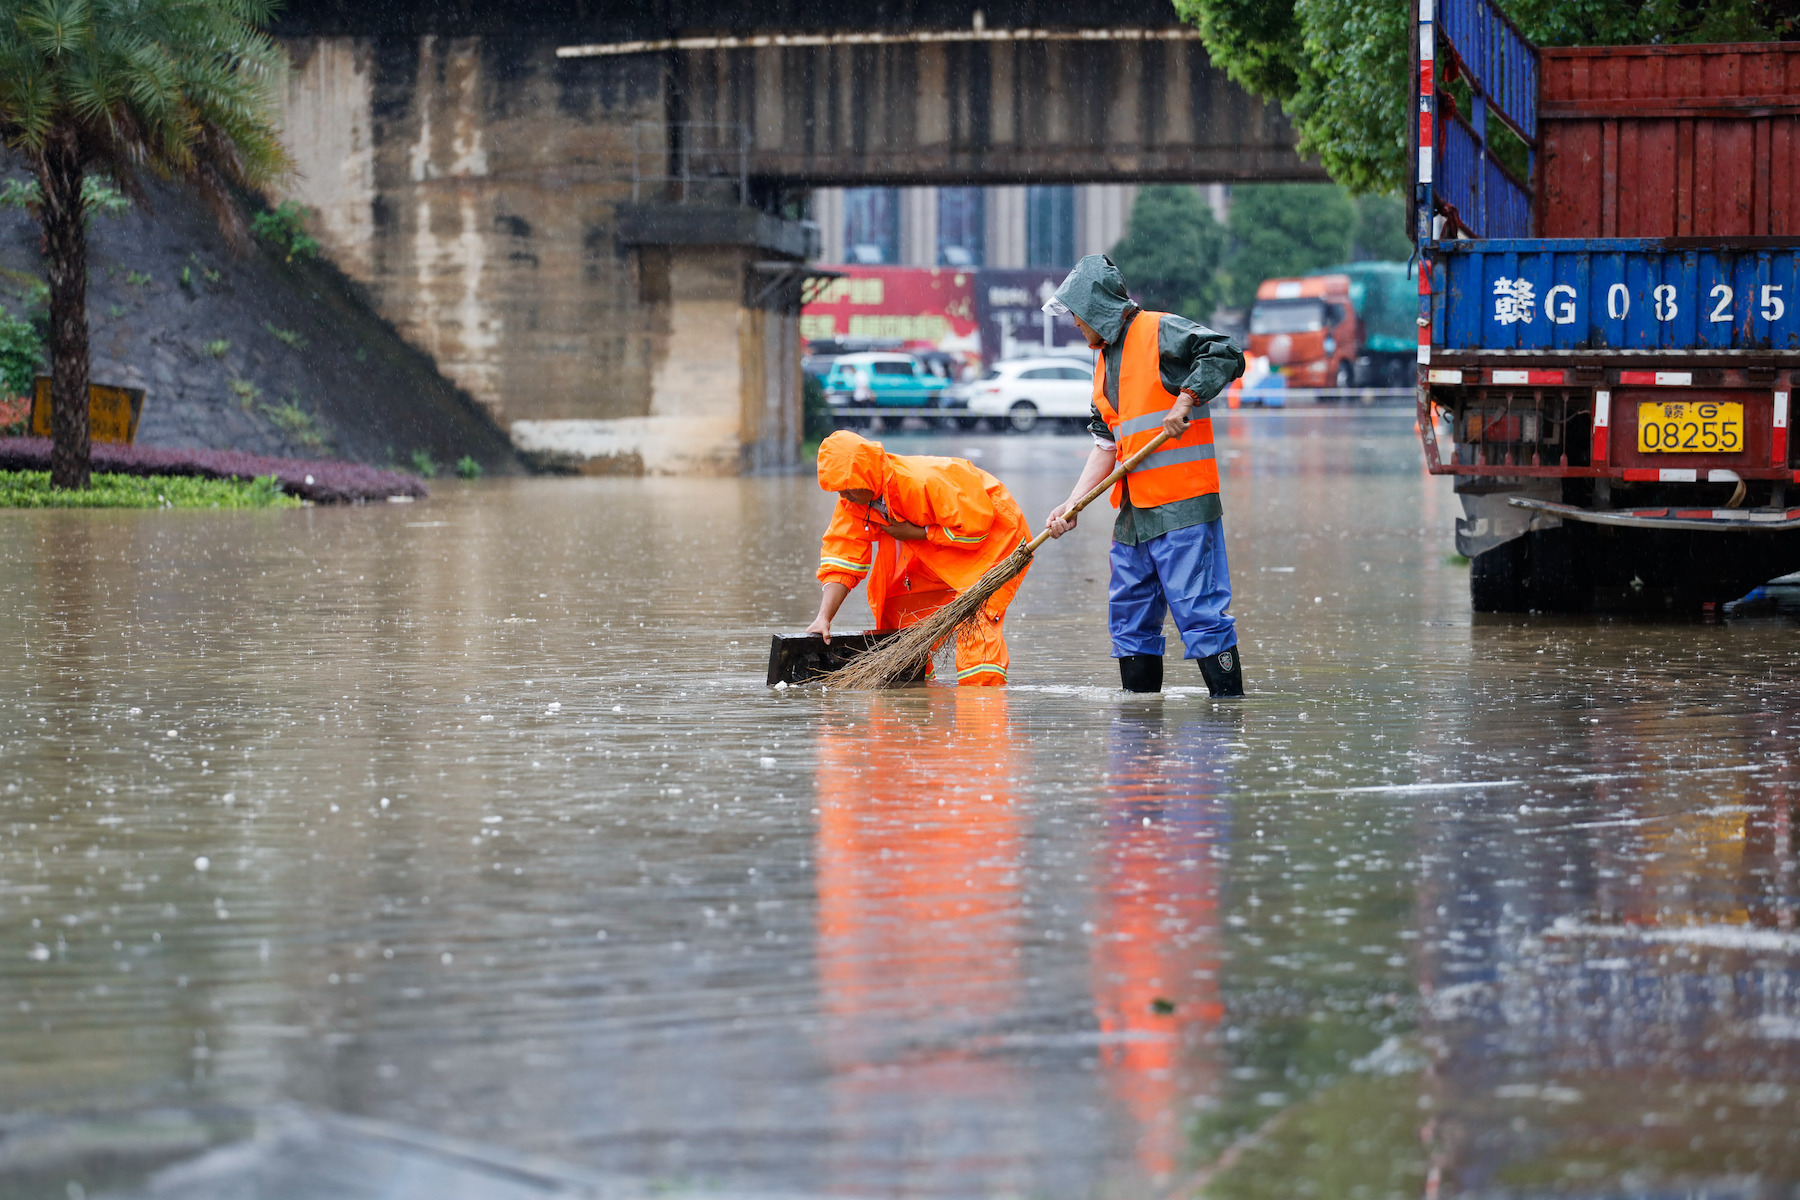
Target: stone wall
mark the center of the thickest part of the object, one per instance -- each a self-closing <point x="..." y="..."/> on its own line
<point x="248" y="351"/>
<point x="475" y="187"/>
<point x="470" y="184"/>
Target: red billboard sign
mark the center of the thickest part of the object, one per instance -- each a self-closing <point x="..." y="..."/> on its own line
<point x="915" y="306"/>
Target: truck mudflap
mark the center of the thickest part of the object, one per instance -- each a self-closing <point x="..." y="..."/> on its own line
<point x="1724" y="520"/>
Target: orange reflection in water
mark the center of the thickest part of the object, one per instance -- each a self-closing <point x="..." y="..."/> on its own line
<point x="919" y="930"/>
<point x="1155" y="948"/>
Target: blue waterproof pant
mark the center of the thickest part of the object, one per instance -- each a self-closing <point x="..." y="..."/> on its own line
<point x="1183" y="571"/>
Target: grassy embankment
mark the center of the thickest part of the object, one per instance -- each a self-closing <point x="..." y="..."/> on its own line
<point x="31" y="489"/>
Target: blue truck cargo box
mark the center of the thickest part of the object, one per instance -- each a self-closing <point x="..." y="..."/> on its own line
<point x="1615" y="294"/>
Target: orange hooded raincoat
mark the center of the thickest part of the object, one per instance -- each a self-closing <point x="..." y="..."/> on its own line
<point x="971" y="522"/>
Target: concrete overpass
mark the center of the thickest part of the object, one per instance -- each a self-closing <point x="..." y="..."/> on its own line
<point x="583" y="209"/>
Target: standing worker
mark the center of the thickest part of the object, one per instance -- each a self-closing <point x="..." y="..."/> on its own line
<point x="920" y="529"/>
<point x="1168" y="550"/>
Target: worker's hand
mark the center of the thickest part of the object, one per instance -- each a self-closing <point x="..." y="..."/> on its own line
<point x="1060" y="520"/>
<point x="905" y="531"/>
<point x="822" y="626"/>
<point x="1177" y="420"/>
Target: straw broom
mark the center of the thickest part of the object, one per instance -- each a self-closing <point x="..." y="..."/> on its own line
<point x="915" y="645"/>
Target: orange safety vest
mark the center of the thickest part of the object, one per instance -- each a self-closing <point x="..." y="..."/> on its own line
<point x="1180" y="469"/>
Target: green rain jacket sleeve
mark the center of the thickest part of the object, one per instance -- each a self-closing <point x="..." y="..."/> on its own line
<point x="1200" y="360"/>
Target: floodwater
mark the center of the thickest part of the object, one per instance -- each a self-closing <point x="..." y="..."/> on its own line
<point x="474" y="818"/>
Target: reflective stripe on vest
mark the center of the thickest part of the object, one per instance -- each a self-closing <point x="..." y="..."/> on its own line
<point x="1180" y="469"/>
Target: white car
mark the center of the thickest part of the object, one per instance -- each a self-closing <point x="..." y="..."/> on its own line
<point x="1024" y="391"/>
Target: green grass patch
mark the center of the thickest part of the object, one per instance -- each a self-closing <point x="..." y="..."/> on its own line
<point x="1357" y="1140"/>
<point x="1455" y="560"/>
<point x="31" y="489"/>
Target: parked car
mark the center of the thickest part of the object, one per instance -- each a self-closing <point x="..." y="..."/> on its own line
<point x="1024" y="391"/>
<point x="821" y="353"/>
<point x="882" y="380"/>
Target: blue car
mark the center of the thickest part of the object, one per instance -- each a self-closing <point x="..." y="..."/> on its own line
<point x="882" y="381"/>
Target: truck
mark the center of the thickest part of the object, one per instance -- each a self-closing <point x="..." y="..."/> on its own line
<point x="1342" y="327"/>
<point x="1608" y="311"/>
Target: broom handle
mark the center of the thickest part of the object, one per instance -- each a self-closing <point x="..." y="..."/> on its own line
<point x="1101" y="487"/>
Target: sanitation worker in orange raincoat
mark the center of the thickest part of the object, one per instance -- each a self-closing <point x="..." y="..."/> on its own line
<point x="919" y="529"/>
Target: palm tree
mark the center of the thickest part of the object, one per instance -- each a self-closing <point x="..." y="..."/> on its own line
<point x="178" y="89"/>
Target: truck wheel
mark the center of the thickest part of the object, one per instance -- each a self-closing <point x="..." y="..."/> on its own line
<point x="1023" y="417"/>
<point x="1497" y="579"/>
<point x="1344" y="376"/>
<point x="1557" y="579"/>
<point x="1540" y="572"/>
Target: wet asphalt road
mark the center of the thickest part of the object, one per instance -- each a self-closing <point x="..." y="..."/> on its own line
<point x="473" y="817"/>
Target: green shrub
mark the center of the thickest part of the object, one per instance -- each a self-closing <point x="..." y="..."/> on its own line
<point x="284" y="226"/>
<point x="31" y="489"/>
<point x="468" y="468"/>
<point x="423" y="466"/>
<point x="21" y="354"/>
<point x="218" y="347"/>
<point x="286" y="336"/>
<point x="297" y="424"/>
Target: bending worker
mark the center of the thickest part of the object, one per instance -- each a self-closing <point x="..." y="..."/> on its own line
<point x="919" y="529"/>
<point x="1168" y="549"/>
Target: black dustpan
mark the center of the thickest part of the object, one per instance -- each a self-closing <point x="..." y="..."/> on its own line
<point x="808" y="658"/>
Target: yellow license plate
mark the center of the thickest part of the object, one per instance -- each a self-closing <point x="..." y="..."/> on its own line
<point x="1690" y="427"/>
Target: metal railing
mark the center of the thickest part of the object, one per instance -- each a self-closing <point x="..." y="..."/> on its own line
<point x="1460" y="175"/>
<point x="1334" y="399"/>
<point x="696" y="161"/>
<point x="1500" y="64"/>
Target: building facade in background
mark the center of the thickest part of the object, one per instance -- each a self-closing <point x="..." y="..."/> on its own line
<point x="1047" y="226"/>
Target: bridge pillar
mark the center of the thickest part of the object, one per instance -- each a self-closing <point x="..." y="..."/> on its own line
<point x="723" y="287"/>
<point x="481" y="193"/>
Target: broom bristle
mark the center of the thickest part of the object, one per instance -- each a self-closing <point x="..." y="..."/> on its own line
<point x="915" y="645"/>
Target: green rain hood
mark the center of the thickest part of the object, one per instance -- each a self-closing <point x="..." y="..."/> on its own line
<point x="1095" y="292"/>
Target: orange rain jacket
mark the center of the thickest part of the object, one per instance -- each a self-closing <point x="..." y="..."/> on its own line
<point x="971" y="522"/>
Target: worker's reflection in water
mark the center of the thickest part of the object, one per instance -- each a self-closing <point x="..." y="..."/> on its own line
<point x="1155" y="946"/>
<point x="919" y="931"/>
<point x="922" y="938"/>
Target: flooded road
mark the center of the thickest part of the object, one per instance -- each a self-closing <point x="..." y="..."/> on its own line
<point x="474" y="817"/>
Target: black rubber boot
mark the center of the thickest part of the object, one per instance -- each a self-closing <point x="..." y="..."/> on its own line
<point x="1223" y="673"/>
<point x="1141" y="672"/>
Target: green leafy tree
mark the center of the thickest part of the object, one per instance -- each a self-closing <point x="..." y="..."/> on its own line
<point x="1171" y="252"/>
<point x="1381" y="229"/>
<point x="1280" y="229"/>
<point x="1341" y="69"/>
<point x="1617" y="23"/>
<point x="179" y="89"/>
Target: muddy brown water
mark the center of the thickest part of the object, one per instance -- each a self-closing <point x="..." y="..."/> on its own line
<point x="474" y="816"/>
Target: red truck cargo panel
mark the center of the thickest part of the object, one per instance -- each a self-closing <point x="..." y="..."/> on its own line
<point x="1670" y="141"/>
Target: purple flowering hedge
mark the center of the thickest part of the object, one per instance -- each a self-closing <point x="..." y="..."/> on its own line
<point x="319" y="481"/>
